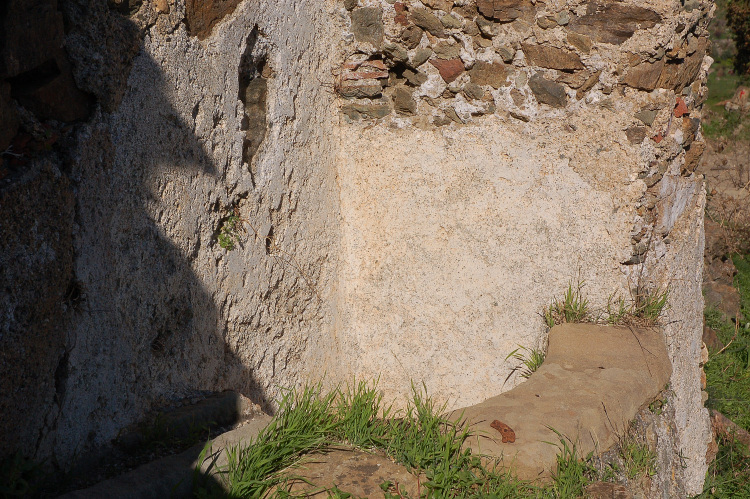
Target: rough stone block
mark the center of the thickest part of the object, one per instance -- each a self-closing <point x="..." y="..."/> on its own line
<point x="548" y="92"/>
<point x="592" y="375"/>
<point x="613" y="22"/>
<point x="367" y="25"/>
<point x="546" y="56"/>
<point x="484" y="73"/>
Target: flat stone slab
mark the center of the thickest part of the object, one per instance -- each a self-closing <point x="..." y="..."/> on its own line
<point x="592" y="383"/>
<point x="171" y="476"/>
<point x="356" y="472"/>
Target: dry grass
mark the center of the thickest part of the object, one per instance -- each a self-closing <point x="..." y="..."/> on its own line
<point x="732" y="216"/>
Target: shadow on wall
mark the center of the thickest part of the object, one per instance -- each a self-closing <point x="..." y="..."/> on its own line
<point x="135" y="326"/>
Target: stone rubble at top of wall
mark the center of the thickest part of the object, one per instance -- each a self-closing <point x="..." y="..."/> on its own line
<point x="442" y="61"/>
<point x="431" y="63"/>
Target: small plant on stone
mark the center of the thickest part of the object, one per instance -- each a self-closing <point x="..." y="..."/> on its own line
<point x="571" y="474"/>
<point x="657" y="406"/>
<point x="650" y="304"/>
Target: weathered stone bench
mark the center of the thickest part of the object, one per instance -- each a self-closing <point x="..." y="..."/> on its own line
<point x="593" y="382"/>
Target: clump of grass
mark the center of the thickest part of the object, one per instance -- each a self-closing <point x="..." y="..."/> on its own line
<point x="642" y="309"/>
<point x="571" y="474"/>
<point x="573" y="307"/>
<point x="728" y="385"/>
<point x="422" y="438"/>
<point x="729" y="474"/>
<point x="530" y="360"/>
<point x="303" y="424"/>
<point x="637" y="458"/>
<point x="648" y="306"/>
<point x="361" y="416"/>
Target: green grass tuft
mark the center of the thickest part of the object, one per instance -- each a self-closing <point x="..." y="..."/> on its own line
<point x="422" y="438"/>
<point x="530" y="360"/>
<point x="573" y="307"/>
<point x="728" y="386"/>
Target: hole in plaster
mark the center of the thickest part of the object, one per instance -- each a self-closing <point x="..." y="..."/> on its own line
<point x="269" y="241"/>
<point x="253" y="89"/>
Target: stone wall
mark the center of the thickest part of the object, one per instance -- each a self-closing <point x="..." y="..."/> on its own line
<point x="493" y="152"/>
<point x="410" y="183"/>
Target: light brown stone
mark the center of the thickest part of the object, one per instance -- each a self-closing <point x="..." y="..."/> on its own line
<point x="607" y="490"/>
<point x="427" y="21"/>
<point x="591" y="375"/>
<point x="403" y="102"/>
<point x="579" y="41"/>
<point x="548" y="92"/>
<point x="445" y="50"/>
<point x="588" y="84"/>
<point x="374" y="111"/>
<point x="613" y="22"/>
<point x="202" y="15"/>
<point x="636" y="134"/>
<point x="352" y="471"/>
<point x="367" y="25"/>
<point x="358" y="89"/>
<point x="506" y="10"/>
<point x="412" y="36"/>
<point x="546" y="56"/>
<point x="444" y="5"/>
<point x="493" y="74"/>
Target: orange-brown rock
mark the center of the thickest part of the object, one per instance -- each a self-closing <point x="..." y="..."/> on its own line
<point x="203" y="15"/>
<point x="449" y="69"/>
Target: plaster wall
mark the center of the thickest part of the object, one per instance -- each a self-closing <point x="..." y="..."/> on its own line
<point x="169" y="314"/>
<point x="408" y="221"/>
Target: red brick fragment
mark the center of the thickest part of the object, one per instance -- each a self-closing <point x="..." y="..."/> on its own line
<point x="402" y="19"/>
<point x="364" y="75"/>
<point x="509" y="436"/>
<point x="657" y="138"/>
<point x="400" y="7"/>
<point x="680" y="108"/>
<point x="449" y="69"/>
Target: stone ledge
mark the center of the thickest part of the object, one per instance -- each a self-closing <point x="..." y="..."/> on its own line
<point x="592" y="384"/>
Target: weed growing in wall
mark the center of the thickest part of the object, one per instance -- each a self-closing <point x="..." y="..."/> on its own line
<point x="573" y="307"/>
<point x="642" y="309"/>
<point x="229" y="232"/>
